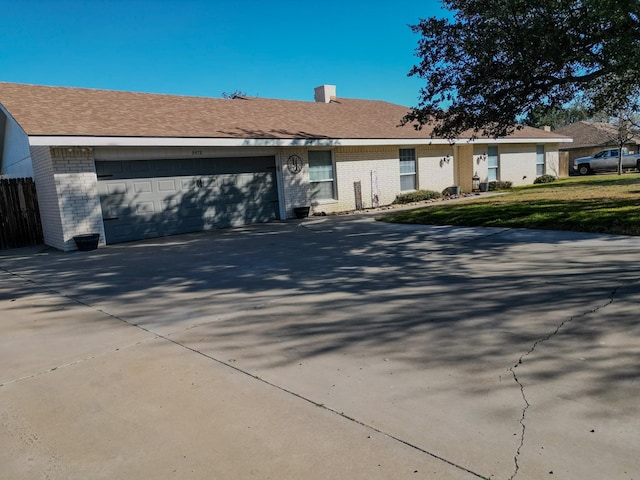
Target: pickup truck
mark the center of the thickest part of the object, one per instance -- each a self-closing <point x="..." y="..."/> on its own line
<point x="605" y="160"/>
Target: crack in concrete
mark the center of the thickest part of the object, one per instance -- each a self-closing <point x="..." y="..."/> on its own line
<point x="521" y="384"/>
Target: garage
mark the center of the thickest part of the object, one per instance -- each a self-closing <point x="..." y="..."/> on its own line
<point x="152" y="198"/>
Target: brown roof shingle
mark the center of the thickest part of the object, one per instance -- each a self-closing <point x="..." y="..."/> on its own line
<point x="590" y="134"/>
<point x="63" y="111"/>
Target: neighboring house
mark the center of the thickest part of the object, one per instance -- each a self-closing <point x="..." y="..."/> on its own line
<point x="136" y="165"/>
<point x="591" y="137"/>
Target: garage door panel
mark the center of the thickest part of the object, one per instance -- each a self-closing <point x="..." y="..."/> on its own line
<point x="143" y="187"/>
<point x="144" y="199"/>
<point x="116" y="188"/>
<point x="166" y="185"/>
<point x="169" y="204"/>
<point x="145" y="208"/>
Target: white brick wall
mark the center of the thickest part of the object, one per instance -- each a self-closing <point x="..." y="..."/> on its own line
<point x="353" y="164"/>
<point x="480" y="163"/>
<point x="69" y="203"/>
<point x="77" y="186"/>
<point x="67" y="189"/>
<point x="435" y="169"/>
<point x="517" y="162"/>
<point x="47" y="197"/>
<point x="438" y="168"/>
<point x="296" y="187"/>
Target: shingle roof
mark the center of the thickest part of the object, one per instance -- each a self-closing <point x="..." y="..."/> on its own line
<point x="590" y="134"/>
<point x="63" y="111"/>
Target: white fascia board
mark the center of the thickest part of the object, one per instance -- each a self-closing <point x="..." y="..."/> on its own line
<point x="489" y="141"/>
<point x="86" y="141"/>
<point x="73" y="141"/>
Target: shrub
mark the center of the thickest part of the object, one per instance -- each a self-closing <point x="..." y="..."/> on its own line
<point x="545" y="179"/>
<point x="417" y="196"/>
<point x="500" y="185"/>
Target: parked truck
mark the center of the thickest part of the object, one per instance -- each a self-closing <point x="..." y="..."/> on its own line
<point x="606" y="160"/>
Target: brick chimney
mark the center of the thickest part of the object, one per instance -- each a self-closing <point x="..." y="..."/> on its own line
<point x="324" y="93"/>
<point x="546" y="128"/>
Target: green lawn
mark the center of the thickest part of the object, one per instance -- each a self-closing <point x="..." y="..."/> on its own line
<point x="602" y="204"/>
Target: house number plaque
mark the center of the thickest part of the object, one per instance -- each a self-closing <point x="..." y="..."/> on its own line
<point x="294" y="164"/>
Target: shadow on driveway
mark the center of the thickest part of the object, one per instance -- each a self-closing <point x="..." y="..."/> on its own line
<point x="449" y="339"/>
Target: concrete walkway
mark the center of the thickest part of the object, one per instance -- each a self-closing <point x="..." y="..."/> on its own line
<point x="334" y="347"/>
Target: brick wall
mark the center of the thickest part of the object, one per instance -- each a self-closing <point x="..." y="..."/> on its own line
<point x="295" y="188"/>
<point x="480" y="163"/>
<point x="358" y="164"/>
<point x="44" y="177"/>
<point x="68" y="194"/>
<point x="355" y="164"/>
<point x="517" y="162"/>
<point x="70" y="205"/>
<point x="77" y="187"/>
<point x="435" y="168"/>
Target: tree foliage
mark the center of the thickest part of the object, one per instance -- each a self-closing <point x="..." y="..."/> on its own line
<point x="626" y="124"/>
<point x="496" y="61"/>
<point x="556" y="117"/>
<point x="235" y="94"/>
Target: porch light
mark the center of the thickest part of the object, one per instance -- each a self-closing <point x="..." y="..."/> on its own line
<point x="475" y="184"/>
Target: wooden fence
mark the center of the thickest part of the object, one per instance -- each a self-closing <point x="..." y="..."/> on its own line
<point x="19" y="215"/>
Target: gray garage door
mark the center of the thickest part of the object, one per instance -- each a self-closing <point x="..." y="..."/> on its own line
<point x="152" y="198"/>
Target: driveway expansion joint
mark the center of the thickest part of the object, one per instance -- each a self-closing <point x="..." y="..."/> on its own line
<point x="323" y="406"/>
<point x="74" y="362"/>
<point x="167" y="338"/>
<point x="521" y="385"/>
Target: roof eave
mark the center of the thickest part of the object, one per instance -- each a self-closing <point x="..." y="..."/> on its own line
<point x="96" y="141"/>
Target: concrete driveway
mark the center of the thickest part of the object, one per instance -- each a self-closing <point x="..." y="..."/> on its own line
<point x="334" y="347"/>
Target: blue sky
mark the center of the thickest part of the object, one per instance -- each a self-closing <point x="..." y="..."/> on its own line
<point x="272" y="49"/>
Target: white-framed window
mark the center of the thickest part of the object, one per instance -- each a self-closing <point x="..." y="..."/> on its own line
<point x="540" y="169"/>
<point x="493" y="163"/>
<point x="407" y="169"/>
<point x="322" y="175"/>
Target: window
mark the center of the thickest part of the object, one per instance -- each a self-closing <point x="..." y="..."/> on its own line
<point x="407" y="169"/>
<point x="321" y="175"/>
<point x="493" y="173"/>
<point x="539" y="160"/>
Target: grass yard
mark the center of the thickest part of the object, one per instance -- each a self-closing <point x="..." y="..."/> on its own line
<point x="599" y="204"/>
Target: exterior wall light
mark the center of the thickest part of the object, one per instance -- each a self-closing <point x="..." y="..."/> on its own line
<point x="475" y="182"/>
